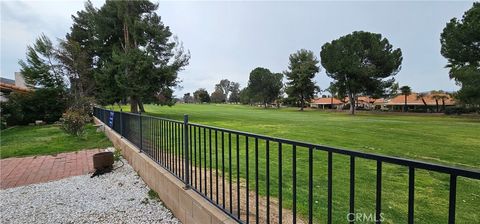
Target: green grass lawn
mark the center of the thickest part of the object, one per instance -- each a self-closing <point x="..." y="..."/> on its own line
<point x="49" y="139"/>
<point x="439" y="139"/>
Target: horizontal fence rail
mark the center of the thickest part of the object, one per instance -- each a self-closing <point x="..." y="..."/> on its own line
<point x="252" y="177"/>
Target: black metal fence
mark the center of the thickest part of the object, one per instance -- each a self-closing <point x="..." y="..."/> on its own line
<point x="251" y="177"/>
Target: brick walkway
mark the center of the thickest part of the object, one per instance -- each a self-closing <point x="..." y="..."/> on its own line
<point x="37" y="169"/>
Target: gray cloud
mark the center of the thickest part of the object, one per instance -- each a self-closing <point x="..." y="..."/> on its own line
<point x="229" y="39"/>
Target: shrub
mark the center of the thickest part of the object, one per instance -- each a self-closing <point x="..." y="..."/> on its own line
<point x="153" y="195"/>
<point x="82" y="104"/>
<point x="74" y="121"/>
<point x="3" y="123"/>
<point x="460" y="110"/>
<point x="42" y="104"/>
<point x="117" y="154"/>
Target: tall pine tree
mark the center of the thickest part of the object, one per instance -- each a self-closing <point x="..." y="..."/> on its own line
<point x="302" y="69"/>
<point x="460" y="41"/>
<point x="131" y="52"/>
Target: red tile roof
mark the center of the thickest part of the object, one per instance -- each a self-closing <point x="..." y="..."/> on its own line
<point x="14" y="87"/>
<point x="326" y="101"/>
<point x="413" y="99"/>
<point x="366" y="99"/>
<point x="380" y="101"/>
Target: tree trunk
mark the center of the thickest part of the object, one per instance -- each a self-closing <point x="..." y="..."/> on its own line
<point x="133" y="105"/>
<point x="443" y="105"/>
<point x="436" y="102"/>
<point x="302" y="103"/>
<point x="140" y="105"/>
<point x="352" y="104"/>
<point x="425" y="104"/>
<point x="405" y="108"/>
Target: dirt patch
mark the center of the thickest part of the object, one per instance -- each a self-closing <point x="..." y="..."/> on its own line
<point x="202" y="176"/>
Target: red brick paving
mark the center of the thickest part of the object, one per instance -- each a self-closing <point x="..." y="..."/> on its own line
<point x="37" y="169"/>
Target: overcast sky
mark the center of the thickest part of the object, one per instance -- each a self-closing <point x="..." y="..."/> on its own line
<point x="229" y="39"/>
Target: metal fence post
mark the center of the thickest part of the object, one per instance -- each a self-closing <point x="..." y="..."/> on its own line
<point x="141" y="134"/>
<point x="121" y="123"/>
<point x="104" y="116"/>
<point x="187" y="151"/>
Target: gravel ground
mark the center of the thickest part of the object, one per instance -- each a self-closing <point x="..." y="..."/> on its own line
<point x="117" y="197"/>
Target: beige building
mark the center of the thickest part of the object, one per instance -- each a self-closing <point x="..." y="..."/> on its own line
<point x="326" y="103"/>
<point x="8" y="86"/>
<point x="416" y="102"/>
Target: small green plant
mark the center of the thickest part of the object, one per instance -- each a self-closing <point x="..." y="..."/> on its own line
<point x="117" y="154"/>
<point x="74" y="121"/>
<point x="153" y="195"/>
<point x="84" y="104"/>
<point x="3" y="121"/>
<point x="144" y="201"/>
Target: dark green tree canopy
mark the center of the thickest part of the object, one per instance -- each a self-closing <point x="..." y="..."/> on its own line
<point x="187" y="98"/>
<point x="44" y="72"/>
<point x="234" y="92"/>
<point x="201" y="95"/>
<point x="406" y="90"/>
<point x="264" y="86"/>
<point x="41" y="69"/>
<point x="78" y="51"/>
<point x="302" y="69"/>
<point x="218" y="95"/>
<point x="361" y="63"/>
<point x="460" y="41"/>
<point x="245" y="96"/>
<point x="131" y="53"/>
<point x="76" y="63"/>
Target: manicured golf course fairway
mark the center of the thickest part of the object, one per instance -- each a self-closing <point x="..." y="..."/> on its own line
<point x="452" y="141"/>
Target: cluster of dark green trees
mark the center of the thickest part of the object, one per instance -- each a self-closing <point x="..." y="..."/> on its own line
<point x="225" y="91"/>
<point x="267" y="87"/>
<point x="120" y="52"/>
<point x="460" y="41"/>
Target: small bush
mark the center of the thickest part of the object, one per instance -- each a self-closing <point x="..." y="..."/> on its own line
<point x="460" y="110"/>
<point x="84" y="104"/>
<point x="74" y="121"/>
<point x="42" y="104"/>
<point x="3" y="123"/>
<point x="419" y="110"/>
<point x="153" y="195"/>
<point x="117" y="154"/>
